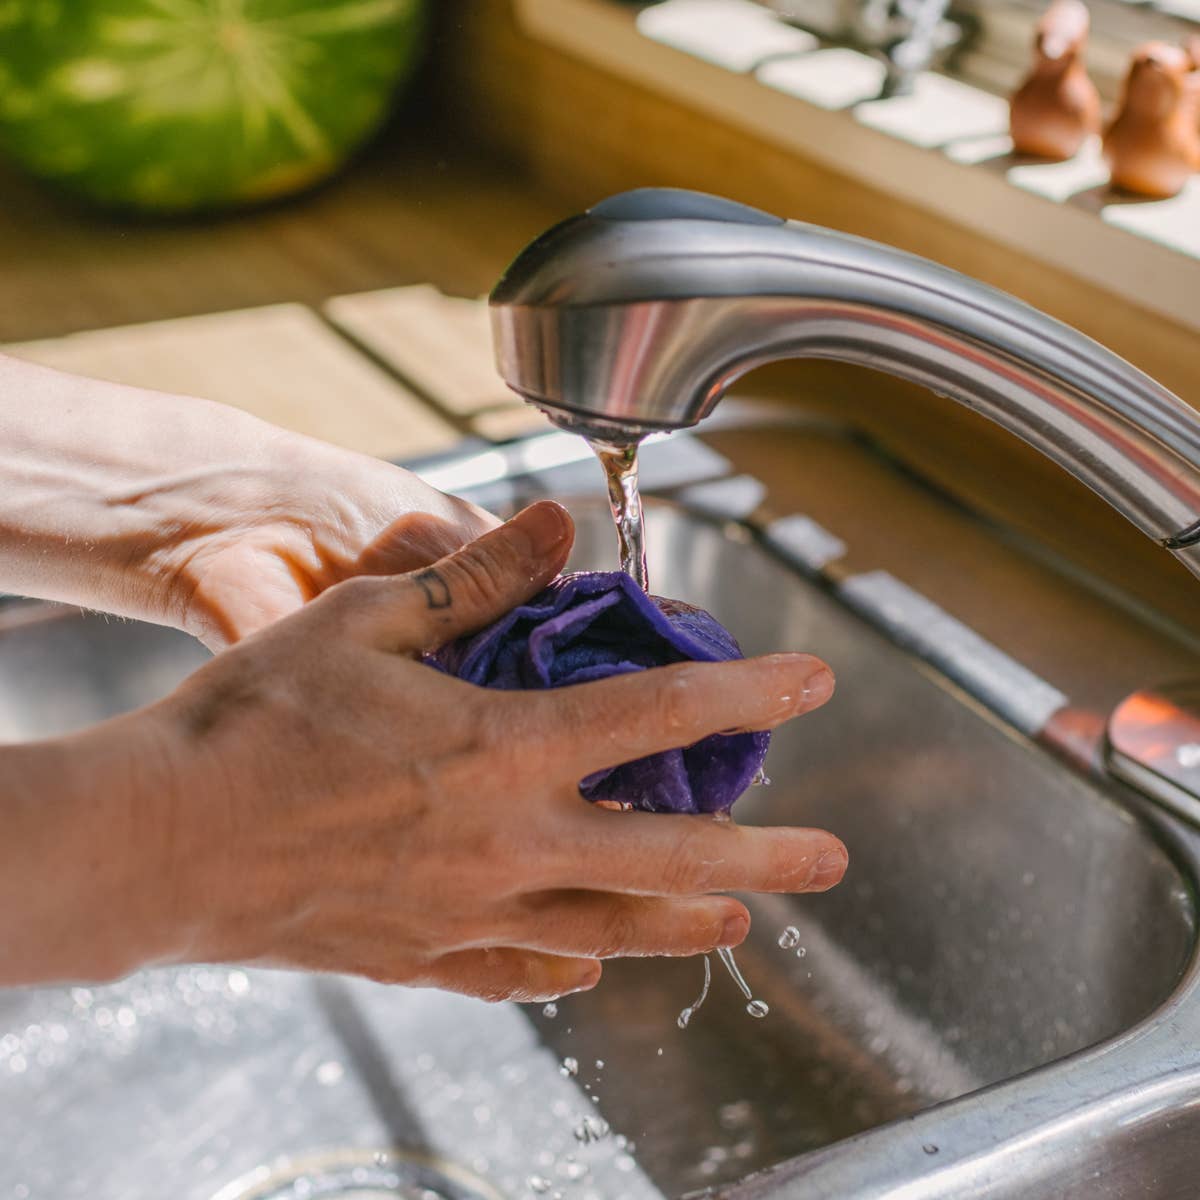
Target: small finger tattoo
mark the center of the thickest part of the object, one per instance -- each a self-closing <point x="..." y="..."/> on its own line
<point x="437" y="593"/>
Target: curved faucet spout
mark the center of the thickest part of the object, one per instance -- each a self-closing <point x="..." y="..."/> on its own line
<point x="638" y="315"/>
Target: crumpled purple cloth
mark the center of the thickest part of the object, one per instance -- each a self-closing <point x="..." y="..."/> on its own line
<point x="594" y="625"/>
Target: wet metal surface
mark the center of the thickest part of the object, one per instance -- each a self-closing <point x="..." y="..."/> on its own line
<point x="998" y="913"/>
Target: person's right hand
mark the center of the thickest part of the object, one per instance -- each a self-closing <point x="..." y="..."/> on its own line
<point x="316" y="797"/>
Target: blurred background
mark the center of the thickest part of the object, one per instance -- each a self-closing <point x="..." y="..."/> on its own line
<point x="324" y="190"/>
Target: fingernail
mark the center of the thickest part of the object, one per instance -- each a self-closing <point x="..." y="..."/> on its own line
<point x="735" y="930"/>
<point x="830" y="868"/>
<point x="818" y="686"/>
<point x="544" y="525"/>
<point x="586" y="980"/>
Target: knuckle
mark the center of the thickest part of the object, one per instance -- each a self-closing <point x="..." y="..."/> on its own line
<point x="349" y="595"/>
<point x="618" y="933"/>
<point x="683" y="869"/>
<point x="384" y="972"/>
<point x="497" y="729"/>
<point x="785" y="866"/>
<point x="503" y="977"/>
<point x="480" y="574"/>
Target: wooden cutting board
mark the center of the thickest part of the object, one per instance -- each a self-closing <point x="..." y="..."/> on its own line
<point x="442" y="345"/>
<point x="280" y="362"/>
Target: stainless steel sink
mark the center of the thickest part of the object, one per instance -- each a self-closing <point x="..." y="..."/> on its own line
<point x="1000" y="914"/>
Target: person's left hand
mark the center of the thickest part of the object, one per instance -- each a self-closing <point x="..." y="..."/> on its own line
<point x="324" y="515"/>
<point x="189" y="513"/>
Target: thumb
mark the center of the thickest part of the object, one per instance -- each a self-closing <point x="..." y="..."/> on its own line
<point x="471" y="588"/>
<point x="410" y="542"/>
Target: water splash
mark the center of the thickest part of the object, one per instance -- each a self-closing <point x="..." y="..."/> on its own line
<point x="687" y="1014"/>
<point x="756" y="1008"/>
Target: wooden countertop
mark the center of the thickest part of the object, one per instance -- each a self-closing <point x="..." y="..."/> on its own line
<point x="411" y="211"/>
<point x="350" y="314"/>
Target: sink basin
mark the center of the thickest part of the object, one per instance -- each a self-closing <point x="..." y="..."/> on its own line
<point x="1000" y="914"/>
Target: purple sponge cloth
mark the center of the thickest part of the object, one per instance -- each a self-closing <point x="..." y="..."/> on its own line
<point x="593" y="625"/>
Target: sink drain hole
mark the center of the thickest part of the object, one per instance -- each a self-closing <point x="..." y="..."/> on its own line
<point x="362" y="1175"/>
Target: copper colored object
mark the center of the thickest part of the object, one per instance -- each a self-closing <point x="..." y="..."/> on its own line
<point x="1153" y="145"/>
<point x="1154" y="743"/>
<point x="1057" y="108"/>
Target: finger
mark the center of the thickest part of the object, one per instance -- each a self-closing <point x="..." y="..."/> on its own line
<point x="413" y="541"/>
<point x="509" y="974"/>
<point x="467" y="590"/>
<point x="595" y="925"/>
<point x="654" y="854"/>
<point x="597" y="725"/>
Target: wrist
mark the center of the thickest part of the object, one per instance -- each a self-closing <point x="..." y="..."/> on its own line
<point x="106" y="486"/>
<point x="90" y="886"/>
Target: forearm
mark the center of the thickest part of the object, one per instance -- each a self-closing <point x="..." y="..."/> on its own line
<point x="103" y="484"/>
<point x="86" y="891"/>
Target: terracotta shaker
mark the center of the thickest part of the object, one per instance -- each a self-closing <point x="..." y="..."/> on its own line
<point x="1153" y="144"/>
<point x="1057" y="108"/>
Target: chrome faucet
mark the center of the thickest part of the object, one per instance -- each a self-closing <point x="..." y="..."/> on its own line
<point x="638" y="314"/>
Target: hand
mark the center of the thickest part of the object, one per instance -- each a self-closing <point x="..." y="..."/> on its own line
<point x="317" y="798"/>
<point x="319" y="516"/>
<point x="188" y="513"/>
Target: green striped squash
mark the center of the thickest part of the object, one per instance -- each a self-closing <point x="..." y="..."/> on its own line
<point x="176" y="106"/>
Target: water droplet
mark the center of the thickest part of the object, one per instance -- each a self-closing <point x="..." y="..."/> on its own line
<point x="801" y="951"/>
<point x="758" y="1008"/>
<point x="691" y="1010"/>
<point x="539" y="1184"/>
<point x="929" y="1148"/>
<point x="380" y="1158"/>
<point x="789" y="939"/>
<point x="550" y="1011"/>
<point x="570" y="1066"/>
<point x="591" y="1129"/>
<point x="660" y="1052"/>
<point x="735" y="1114"/>
<point x="573" y="1170"/>
<point x="599" y="1064"/>
<point x="330" y="1073"/>
<point x="760" y="779"/>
